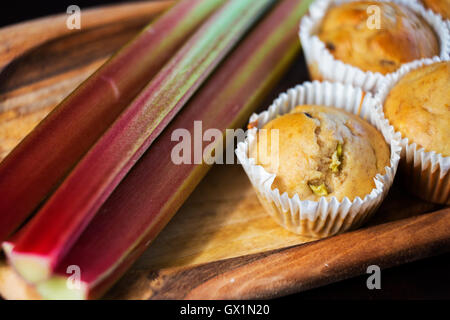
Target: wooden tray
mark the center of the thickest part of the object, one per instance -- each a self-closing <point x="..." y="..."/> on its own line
<point x="221" y="243"/>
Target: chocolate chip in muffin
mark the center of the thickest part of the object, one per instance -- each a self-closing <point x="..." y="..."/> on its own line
<point x="330" y="46"/>
<point x="385" y="62"/>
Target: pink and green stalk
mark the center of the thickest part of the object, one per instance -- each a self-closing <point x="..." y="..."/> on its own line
<point x="155" y="188"/>
<point x="40" y="162"/>
<point x="55" y="228"/>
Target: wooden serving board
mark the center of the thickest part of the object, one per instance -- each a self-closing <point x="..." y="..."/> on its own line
<point x="221" y="243"/>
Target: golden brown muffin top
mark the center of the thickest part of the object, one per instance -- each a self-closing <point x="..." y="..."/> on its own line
<point x="403" y="36"/>
<point x="322" y="151"/>
<point x="419" y="107"/>
<point x="439" y="6"/>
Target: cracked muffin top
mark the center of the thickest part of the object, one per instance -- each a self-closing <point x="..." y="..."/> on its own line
<point x="351" y="35"/>
<point x="322" y="151"/>
<point x="418" y="106"/>
<point x="439" y="6"/>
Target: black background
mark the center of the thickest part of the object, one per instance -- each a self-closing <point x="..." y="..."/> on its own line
<point x="425" y="279"/>
<point x="14" y="11"/>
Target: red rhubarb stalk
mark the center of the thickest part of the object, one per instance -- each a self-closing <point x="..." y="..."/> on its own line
<point x="156" y="187"/>
<point x="41" y="161"/>
<point x="61" y="220"/>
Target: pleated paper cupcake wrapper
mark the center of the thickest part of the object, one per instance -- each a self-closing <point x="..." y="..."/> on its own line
<point x="426" y="174"/>
<point x="323" y="66"/>
<point x="321" y="218"/>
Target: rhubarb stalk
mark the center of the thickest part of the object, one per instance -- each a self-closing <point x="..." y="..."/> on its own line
<point x="41" y="161"/>
<point x="61" y="220"/>
<point x="156" y="187"/>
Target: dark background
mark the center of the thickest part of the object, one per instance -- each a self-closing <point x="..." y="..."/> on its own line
<point x="14" y="11"/>
<point x="425" y="279"/>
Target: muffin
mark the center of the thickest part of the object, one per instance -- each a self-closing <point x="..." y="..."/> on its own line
<point x="361" y="42"/>
<point x="402" y="37"/>
<point x="418" y="106"/>
<point x="317" y="167"/>
<point x="322" y="151"/>
<point x="441" y="7"/>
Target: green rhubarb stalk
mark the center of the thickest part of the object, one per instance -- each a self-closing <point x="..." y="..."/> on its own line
<point x="155" y="188"/>
<point x="41" y="161"/>
<point x="56" y="227"/>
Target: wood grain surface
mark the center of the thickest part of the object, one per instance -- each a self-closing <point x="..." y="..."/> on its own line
<point x="298" y="268"/>
<point x="16" y="40"/>
<point x="211" y="227"/>
<point x="221" y="243"/>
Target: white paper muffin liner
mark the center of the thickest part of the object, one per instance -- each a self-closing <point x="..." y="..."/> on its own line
<point x="446" y="21"/>
<point x="324" y="217"/>
<point x="322" y="64"/>
<point x="426" y="174"/>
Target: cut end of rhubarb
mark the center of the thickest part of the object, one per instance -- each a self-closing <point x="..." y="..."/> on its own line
<point x="32" y="269"/>
<point x="7" y="248"/>
<point x="61" y="288"/>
